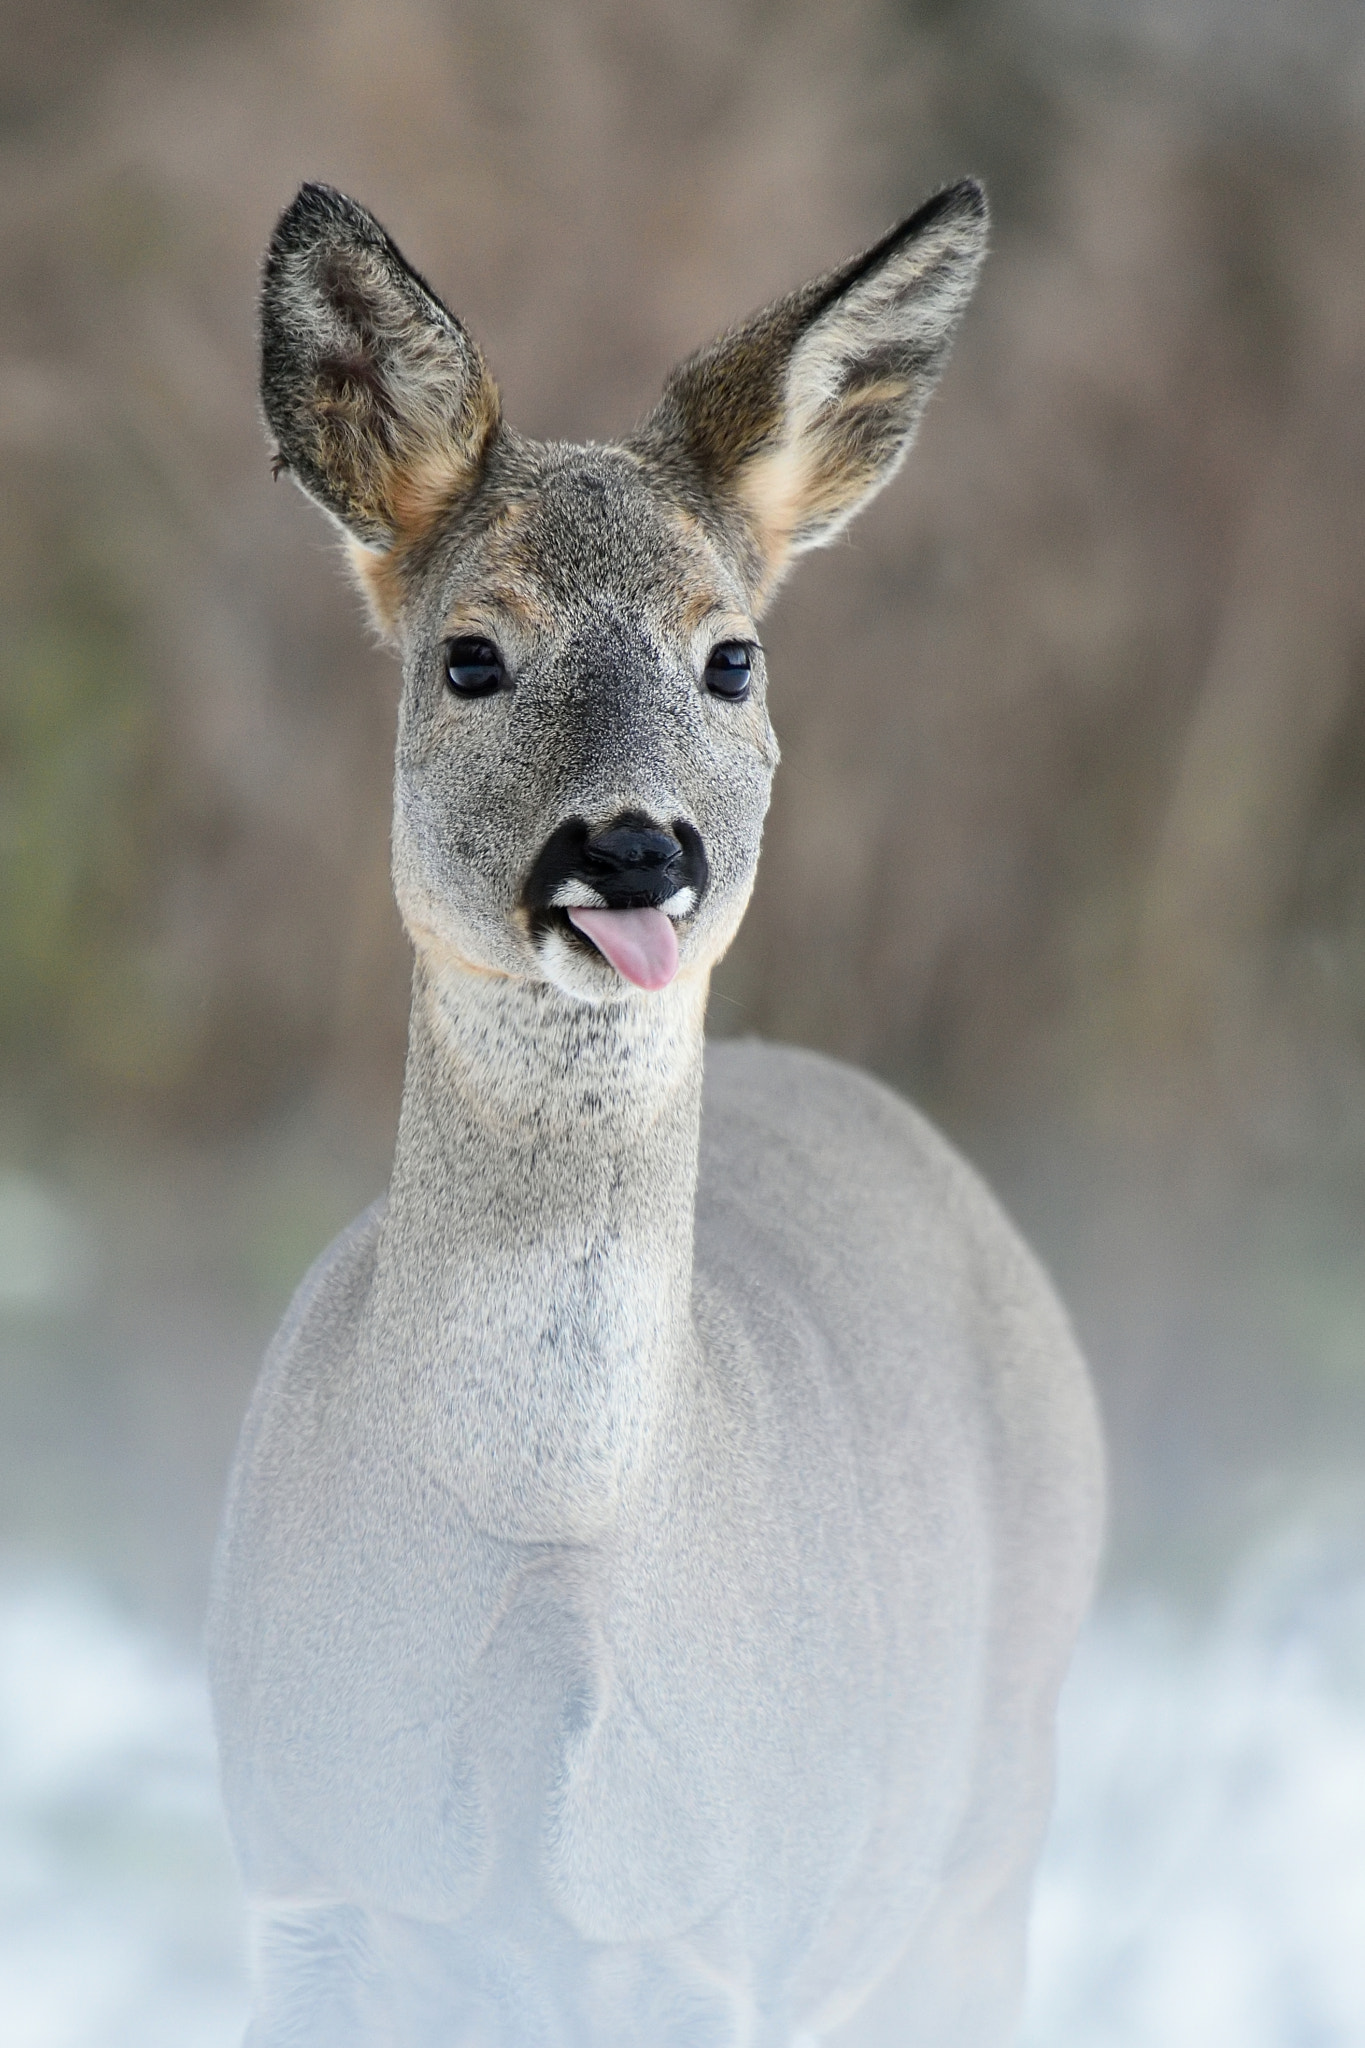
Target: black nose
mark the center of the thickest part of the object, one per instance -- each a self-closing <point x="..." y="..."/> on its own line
<point x="631" y="863"/>
<point x="626" y="848"/>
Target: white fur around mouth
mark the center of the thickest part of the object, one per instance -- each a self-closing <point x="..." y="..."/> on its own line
<point x="577" y="895"/>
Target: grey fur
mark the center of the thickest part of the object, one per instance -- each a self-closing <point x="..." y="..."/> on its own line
<point x="662" y="1522"/>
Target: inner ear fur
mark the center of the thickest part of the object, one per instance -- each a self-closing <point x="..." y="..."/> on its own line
<point x="784" y="427"/>
<point x="378" y="401"/>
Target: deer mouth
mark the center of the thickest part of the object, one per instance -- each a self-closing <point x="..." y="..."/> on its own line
<point x="640" y="944"/>
<point x="619" y="892"/>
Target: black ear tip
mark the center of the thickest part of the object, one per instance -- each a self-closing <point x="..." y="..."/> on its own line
<point x="318" y="210"/>
<point x="961" y="205"/>
<point x="969" y="199"/>
<point x="316" y="191"/>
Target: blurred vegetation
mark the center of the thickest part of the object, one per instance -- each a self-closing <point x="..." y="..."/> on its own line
<point x="1069" y="838"/>
<point x="79" y="779"/>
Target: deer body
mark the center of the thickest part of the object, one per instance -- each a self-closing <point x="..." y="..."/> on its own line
<point x="661" y="1525"/>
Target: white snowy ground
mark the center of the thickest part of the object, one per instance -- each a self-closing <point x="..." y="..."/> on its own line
<point x="1204" y="1886"/>
<point x="1204" y="1882"/>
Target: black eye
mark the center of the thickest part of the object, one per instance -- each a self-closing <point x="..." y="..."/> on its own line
<point x="474" y="667"/>
<point x="727" y="671"/>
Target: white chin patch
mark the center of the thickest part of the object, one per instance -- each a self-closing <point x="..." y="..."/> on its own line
<point x="575" y="970"/>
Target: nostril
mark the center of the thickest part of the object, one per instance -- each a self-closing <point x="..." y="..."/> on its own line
<point x="629" y="846"/>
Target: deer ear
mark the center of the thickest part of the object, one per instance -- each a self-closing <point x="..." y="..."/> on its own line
<point x="379" y="403"/>
<point x="785" y="426"/>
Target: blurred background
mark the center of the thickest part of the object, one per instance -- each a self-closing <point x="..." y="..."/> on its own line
<point x="1068" y="843"/>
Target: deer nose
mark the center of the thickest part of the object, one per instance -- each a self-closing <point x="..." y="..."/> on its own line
<point x="631" y="863"/>
<point x="623" y="848"/>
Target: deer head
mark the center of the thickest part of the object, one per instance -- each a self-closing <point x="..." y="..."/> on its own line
<point x="584" y="749"/>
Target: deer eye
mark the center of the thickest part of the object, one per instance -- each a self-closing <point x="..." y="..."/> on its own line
<point x="728" y="669"/>
<point x="474" y="668"/>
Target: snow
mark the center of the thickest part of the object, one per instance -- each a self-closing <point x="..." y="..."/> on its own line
<point x="1204" y="1881"/>
<point x="118" y="1905"/>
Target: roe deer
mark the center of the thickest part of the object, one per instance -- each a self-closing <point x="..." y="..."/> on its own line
<point x="663" y="1519"/>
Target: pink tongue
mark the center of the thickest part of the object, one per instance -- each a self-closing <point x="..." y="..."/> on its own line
<point x="640" y="944"/>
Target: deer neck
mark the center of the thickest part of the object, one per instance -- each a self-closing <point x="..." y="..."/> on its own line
<point x="533" y="1282"/>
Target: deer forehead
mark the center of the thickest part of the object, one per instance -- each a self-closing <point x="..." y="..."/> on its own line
<point x="561" y="536"/>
